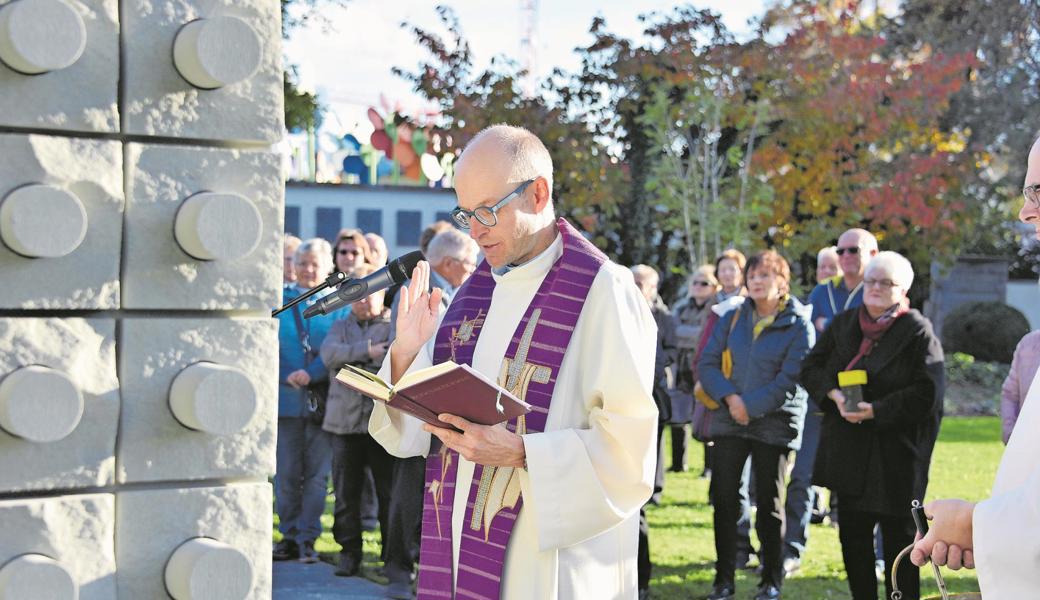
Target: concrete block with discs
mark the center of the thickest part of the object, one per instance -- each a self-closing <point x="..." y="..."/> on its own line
<point x="61" y="222"/>
<point x="59" y="404"/>
<point x="200" y="399"/>
<point x="203" y="70"/>
<point x="157" y="540"/>
<point x="203" y="228"/>
<point x="213" y="398"/>
<point x="49" y="47"/>
<point x="58" y="547"/>
<point x="213" y="53"/>
<point x="207" y="569"/>
<point x="39" y="404"/>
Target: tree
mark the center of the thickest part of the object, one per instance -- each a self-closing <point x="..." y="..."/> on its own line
<point x="303" y="110"/>
<point x="858" y="140"/>
<point x="587" y="178"/>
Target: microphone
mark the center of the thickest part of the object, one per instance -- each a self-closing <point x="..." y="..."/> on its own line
<point x="398" y="271"/>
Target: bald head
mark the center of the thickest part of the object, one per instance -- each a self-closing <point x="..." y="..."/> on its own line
<point x="855" y="249"/>
<point x="505" y="153"/>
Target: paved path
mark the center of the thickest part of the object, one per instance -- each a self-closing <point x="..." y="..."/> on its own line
<point x="294" y="580"/>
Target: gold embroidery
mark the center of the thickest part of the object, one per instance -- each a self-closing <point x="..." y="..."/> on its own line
<point x="500" y="487"/>
<point x="437" y="487"/>
<point x="465" y="332"/>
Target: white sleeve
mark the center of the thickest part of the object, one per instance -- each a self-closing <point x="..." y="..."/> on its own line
<point x="582" y="482"/>
<point x="1006" y="540"/>
<point x="399" y="433"/>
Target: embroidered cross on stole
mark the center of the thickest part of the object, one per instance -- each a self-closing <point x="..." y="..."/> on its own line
<point x="529" y="370"/>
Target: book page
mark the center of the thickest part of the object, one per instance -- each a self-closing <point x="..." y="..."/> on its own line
<point x="423" y="374"/>
<point x="367" y="383"/>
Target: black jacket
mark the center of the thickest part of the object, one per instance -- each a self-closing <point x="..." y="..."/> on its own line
<point x="879" y="466"/>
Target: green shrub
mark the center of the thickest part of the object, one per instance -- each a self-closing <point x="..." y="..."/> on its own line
<point x="973" y="386"/>
<point x="989" y="331"/>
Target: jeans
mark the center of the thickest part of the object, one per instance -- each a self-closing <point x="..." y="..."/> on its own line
<point x="769" y="466"/>
<point x="303" y="461"/>
<point x="800" y="493"/>
<point x="350" y="454"/>
<point x="406" y="506"/>
<point x="857" y="550"/>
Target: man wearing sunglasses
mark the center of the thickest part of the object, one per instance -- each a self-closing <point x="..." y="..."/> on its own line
<point x="547" y="507"/>
<point x="836" y="295"/>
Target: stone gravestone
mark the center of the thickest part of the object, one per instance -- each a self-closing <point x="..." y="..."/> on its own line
<point x="971" y="279"/>
<point x="140" y="255"/>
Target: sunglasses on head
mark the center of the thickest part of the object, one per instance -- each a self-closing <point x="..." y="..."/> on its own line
<point x="852" y="250"/>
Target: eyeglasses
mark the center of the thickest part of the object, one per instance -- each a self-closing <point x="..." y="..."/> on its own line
<point x="701" y="283"/>
<point x="882" y="283"/>
<point x="486" y="215"/>
<point x="469" y="263"/>
<point x="850" y="250"/>
<point x="345" y="252"/>
<point x="1032" y="195"/>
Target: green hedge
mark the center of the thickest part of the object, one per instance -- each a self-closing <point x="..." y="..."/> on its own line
<point x="989" y="331"/>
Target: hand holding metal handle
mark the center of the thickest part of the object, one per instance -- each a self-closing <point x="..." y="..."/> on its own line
<point x="921" y="522"/>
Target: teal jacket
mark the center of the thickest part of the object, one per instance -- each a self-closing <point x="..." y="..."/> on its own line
<point x="765" y="374"/>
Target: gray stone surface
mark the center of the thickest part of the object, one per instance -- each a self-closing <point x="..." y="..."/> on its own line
<point x="92" y="170"/>
<point x="151" y="525"/>
<point x="75" y="531"/>
<point x="158" y="273"/>
<point x="83" y="349"/>
<point x="296" y="581"/>
<point x="80" y="97"/>
<point x="158" y="101"/>
<point x="154" y="445"/>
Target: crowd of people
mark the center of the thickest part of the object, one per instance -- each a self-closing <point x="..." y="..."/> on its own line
<point x="842" y="390"/>
<point x="323" y="427"/>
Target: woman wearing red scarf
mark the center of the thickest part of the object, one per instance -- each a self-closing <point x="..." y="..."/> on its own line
<point x="875" y="453"/>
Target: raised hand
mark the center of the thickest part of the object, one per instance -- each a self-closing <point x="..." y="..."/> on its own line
<point x="416" y="319"/>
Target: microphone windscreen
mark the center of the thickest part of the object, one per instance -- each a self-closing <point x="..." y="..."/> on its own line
<point x="404" y="266"/>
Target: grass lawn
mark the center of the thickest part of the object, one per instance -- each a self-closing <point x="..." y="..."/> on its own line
<point x="682" y="547"/>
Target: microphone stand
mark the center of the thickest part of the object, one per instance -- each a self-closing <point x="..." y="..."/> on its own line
<point x="334" y="280"/>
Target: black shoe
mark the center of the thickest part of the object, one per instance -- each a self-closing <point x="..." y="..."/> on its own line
<point x="348" y="565"/>
<point x="768" y="592"/>
<point x="308" y="554"/>
<point x="724" y="591"/>
<point x="285" y="550"/>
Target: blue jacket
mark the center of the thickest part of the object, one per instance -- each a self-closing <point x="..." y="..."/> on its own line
<point x="765" y="374"/>
<point x="291" y="356"/>
<point x="831" y="298"/>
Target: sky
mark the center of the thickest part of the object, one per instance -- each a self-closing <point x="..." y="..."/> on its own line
<point x="349" y="62"/>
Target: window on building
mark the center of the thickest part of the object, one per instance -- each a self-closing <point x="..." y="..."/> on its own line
<point x="370" y="220"/>
<point x="292" y="220"/>
<point x="328" y="223"/>
<point x="409" y="222"/>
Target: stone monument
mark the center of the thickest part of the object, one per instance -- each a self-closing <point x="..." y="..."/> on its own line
<point x="140" y="256"/>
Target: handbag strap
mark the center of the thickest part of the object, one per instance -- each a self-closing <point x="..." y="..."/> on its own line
<point x="304" y="336"/>
<point x="732" y="326"/>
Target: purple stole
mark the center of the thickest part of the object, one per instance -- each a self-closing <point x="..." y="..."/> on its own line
<point x="541" y="340"/>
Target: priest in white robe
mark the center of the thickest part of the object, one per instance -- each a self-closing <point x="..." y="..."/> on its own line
<point x="1000" y="536"/>
<point x="583" y="478"/>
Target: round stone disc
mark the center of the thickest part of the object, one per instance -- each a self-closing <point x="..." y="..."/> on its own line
<point x="42" y="221"/>
<point x="37" y="36"/>
<point x="39" y="404"/>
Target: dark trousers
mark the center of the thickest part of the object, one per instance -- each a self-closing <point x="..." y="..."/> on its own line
<point x="350" y="454"/>
<point x="659" y="473"/>
<point x="406" y="505"/>
<point x="768" y="467"/>
<point x="857" y="549"/>
<point x="679" y="448"/>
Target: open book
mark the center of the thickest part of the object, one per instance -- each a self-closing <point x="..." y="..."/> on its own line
<point x="445" y="388"/>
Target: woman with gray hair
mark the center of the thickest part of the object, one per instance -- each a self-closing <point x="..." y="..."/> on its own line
<point x="875" y="450"/>
<point x="304" y="453"/>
